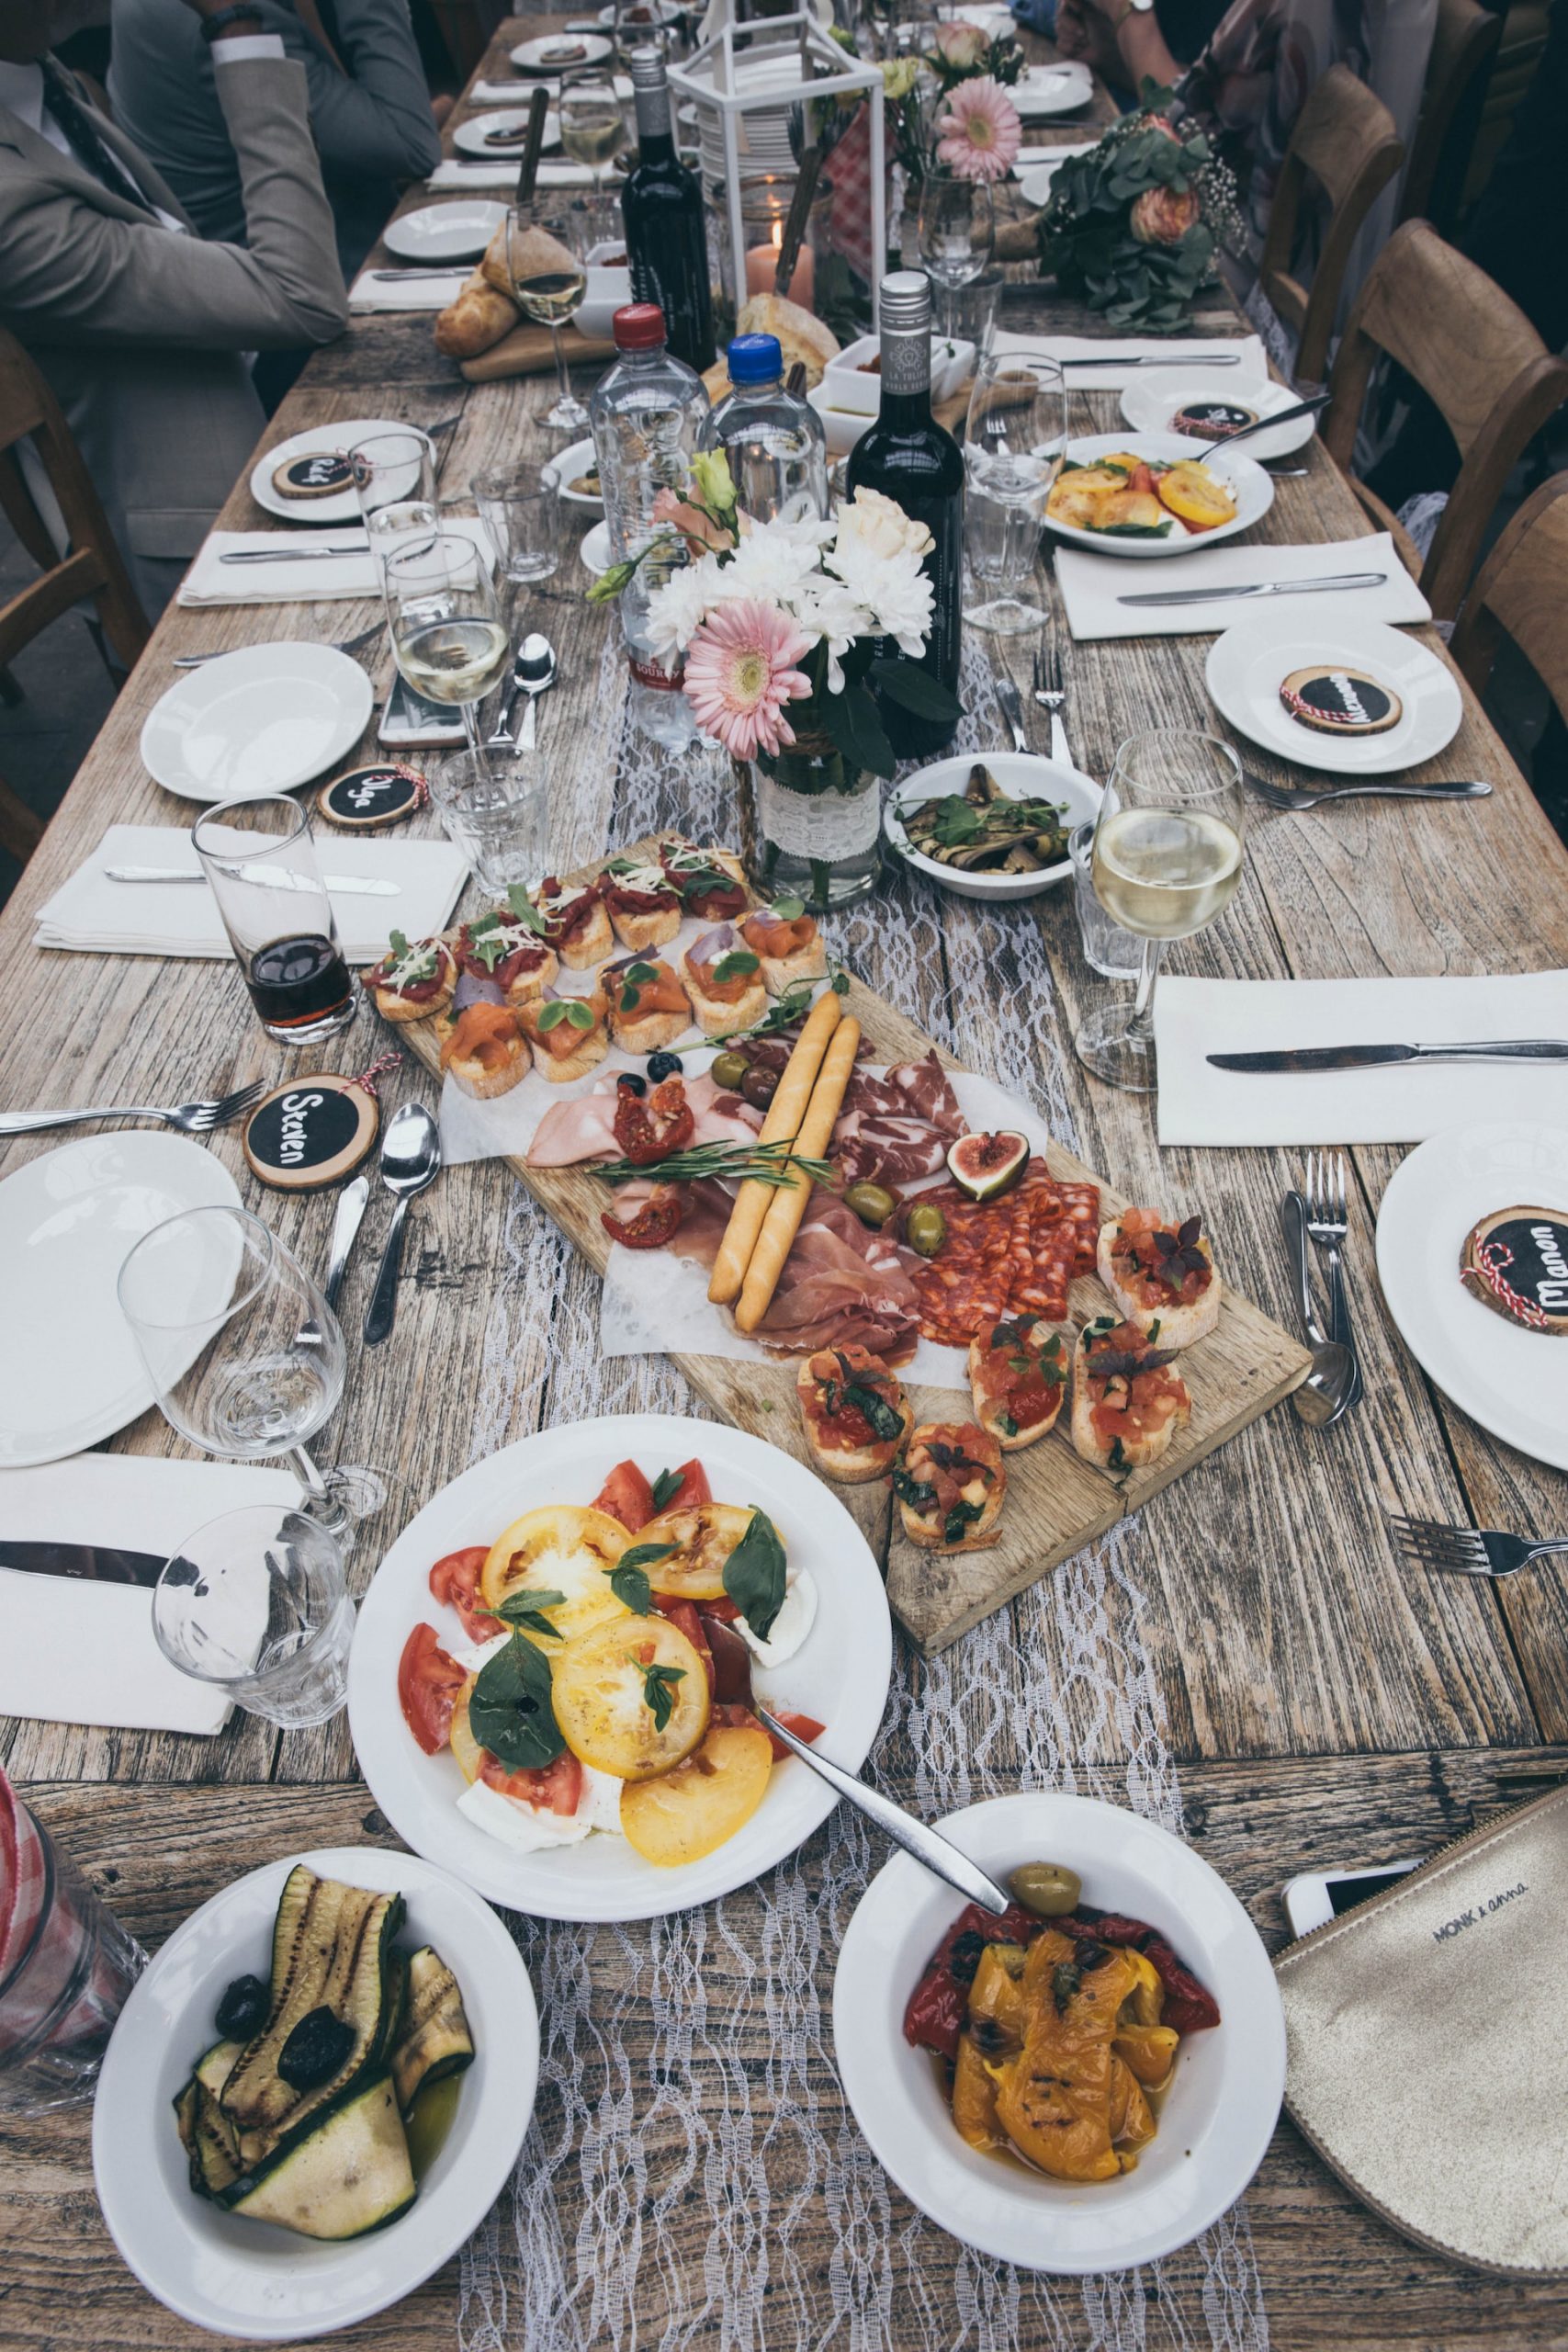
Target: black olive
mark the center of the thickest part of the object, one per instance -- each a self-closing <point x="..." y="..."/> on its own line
<point x="315" y="2050"/>
<point x="1091" y="1955"/>
<point x="244" y="2008"/>
<point x="759" y="1085"/>
<point x="965" y="1957"/>
<point x="663" y="1066"/>
<point x="632" y="1082"/>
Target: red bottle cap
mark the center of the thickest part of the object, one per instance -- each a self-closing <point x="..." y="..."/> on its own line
<point x="638" y="327"/>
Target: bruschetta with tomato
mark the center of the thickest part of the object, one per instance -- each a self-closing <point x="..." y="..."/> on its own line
<point x="789" y="942"/>
<point x="1161" y="1274"/>
<point x="648" y="1008"/>
<point x="854" y="1411"/>
<point x="568" y="1036"/>
<point x="481" y="1049"/>
<point x="643" y="904"/>
<point x="949" y="1486"/>
<point x="1017" y="1377"/>
<point x="712" y="882"/>
<point x="511" y="950"/>
<point x="724" y="979"/>
<point x="1128" y="1399"/>
<point x="413" y="983"/>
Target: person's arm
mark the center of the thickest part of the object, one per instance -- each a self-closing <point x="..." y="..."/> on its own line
<point x="1122" y="42"/>
<point x="373" y="121"/>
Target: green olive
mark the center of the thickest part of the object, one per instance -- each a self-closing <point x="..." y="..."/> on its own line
<point x="873" y="1204"/>
<point x="925" y="1229"/>
<point x="727" y="1071"/>
<point x="1046" y="1889"/>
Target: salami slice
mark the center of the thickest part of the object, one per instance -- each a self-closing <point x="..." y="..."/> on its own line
<point x="1022" y="1251"/>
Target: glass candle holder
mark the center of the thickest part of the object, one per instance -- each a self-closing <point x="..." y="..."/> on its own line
<point x="66" y="1968"/>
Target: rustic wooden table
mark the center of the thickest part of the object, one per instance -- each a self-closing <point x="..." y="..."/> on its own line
<point x="1321" y="1705"/>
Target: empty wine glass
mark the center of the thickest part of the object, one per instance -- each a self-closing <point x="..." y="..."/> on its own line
<point x="448" y="637"/>
<point x="258" y="1603"/>
<point x="592" y="126"/>
<point x="245" y="1357"/>
<point x="957" y="231"/>
<point x="1014" y="442"/>
<point x="1167" y="861"/>
<point x="547" y="268"/>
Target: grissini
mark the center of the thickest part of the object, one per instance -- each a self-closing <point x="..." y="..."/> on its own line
<point x="784" y="1115"/>
<point x="787" y="1206"/>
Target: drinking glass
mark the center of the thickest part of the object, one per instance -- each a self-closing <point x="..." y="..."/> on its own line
<point x="547" y="268"/>
<point x="592" y="126"/>
<point x="448" y="637"/>
<point x="259" y="857"/>
<point x="256" y="1602"/>
<point x="497" y="815"/>
<point x="520" y="507"/>
<point x="1167" y="861"/>
<point x="394" y="477"/>
<point x="66" y="1969"/>
<point x="958" y="230"/>
<point x="1107" y="948"/>
<point x="1014" y="441"/>
<point x="245" y="1357"/>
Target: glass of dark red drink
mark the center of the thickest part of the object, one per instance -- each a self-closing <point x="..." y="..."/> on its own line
<point x="260" y="859"/>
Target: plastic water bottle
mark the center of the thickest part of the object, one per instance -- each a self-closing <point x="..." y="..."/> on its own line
<point x="645" y="414"/>
<point x="774" y="441"/>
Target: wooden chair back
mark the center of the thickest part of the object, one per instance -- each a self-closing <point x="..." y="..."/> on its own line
<point x="1522" y="592"/>
<point x="1345" y="144"/>
<point x="1478" y="359"/>
<point x="1465" y="46"/>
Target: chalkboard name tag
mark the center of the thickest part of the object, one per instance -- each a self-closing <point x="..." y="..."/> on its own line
<point x="366" y="799"/>
<point x="310" y="1132"/>
<point x="1516" y="1261"/>
<point x="320" y="473"/>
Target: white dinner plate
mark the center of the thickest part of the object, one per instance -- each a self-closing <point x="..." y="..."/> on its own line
<point x="343" y="506"/>
<point x="1042" y="91"/>
<point x="569" y="465"/>
<point x="455" y="232"/>
<point x="1214" y="2122"/>
<point x="1022" y="776"/>
<point x="1151" y="400"/>
<point x="68" y="1221"/>
<point x="473" y="136"/>
<point x="533" y="56"/>
<point x="1246" y="664"/>
<point x="269" y="2285"/>
<point x="663" y="11"/>
<point x="1513" y="1381"/>
<point x="258" y="720"/>
<point x="840" y="1674"/>
<point x="1252" y="484"/>
<point x="594" y="551"/>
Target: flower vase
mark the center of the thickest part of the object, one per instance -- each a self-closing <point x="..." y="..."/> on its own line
<point x="811" y="822"/>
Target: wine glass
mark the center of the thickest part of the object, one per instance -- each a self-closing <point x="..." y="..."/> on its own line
<point x="1014" y="441"/>
<point x="957" y="231"/>
<point x="1166" y="860"/>
<point x="547" y="268"/>
<point x="592" y="127"/>
<point x="448" y="637"/>
<point x="245" y="1357"/>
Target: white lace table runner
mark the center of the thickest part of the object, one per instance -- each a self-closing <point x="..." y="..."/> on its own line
<point x="693" y="2177"/>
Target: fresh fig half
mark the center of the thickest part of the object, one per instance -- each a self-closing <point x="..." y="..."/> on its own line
<point x="986" y="1164"/>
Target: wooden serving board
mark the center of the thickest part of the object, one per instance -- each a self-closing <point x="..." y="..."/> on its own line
<point x="1056" y="1502"/>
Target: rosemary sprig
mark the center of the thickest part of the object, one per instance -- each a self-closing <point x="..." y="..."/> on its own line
<point x="793" y="1006"/>
<point x="769" y="1163"/>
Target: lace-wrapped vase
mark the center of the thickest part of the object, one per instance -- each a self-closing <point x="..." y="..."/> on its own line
<point x="811" y="821"/>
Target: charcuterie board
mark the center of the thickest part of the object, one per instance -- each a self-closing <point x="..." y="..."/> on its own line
<point x="1056" y="1502"/>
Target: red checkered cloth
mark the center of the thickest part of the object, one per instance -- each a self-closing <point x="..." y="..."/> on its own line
<point x="848" y="168"/>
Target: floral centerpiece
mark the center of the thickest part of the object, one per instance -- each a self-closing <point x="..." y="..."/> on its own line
<point x="978" y="131"/>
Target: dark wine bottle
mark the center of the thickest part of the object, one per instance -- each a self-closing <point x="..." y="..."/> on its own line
<point x="909" y="456"/>
<point x="661" y="207"/>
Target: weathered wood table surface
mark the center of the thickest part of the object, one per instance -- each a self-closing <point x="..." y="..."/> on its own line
<point x="1315" y="1704"/>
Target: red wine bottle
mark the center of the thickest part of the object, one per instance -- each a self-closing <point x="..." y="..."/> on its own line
<point x="909" y="457"/>
<point x="661" y="207"/>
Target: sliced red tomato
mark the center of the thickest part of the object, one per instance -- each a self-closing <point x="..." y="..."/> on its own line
<point x="1142" y="477"/>
<point x="625" y="1495"/>
<point x="684" y="1613"/>
<point x="455" y="1579"/>
<point x="650" y="1227"/>
<point x="805" y="1727"/>
<point x="554" y="1788"/>
<point x="693" y="1490"/>
<point x="723" y="1607"/>
<point x="428" y="1684"/>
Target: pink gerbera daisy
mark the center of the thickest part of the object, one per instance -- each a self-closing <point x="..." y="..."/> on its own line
<point x="980" y="133"/>
<point x="740" y="673"/>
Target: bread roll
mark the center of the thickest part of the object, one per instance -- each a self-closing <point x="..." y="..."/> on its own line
<point x="801" y="334"/>
<point x="476" y="320"/>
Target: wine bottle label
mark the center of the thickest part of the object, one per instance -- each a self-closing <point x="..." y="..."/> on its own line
<point x="825" y="825"/>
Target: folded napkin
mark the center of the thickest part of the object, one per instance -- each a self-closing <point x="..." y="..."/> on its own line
<point x="518" y="93"/>
<point x="1200" y="1105"/>
<point x="456" y="172"/>
<point x="1113" y="350"/>
<point x="1028" y="157"/>
<point x="370" y="293"/>
<point x="90" y="913"/>
<point x="80" y="1651"/>
<point x="1092" y="586"/>
<point x="316" y="578"/>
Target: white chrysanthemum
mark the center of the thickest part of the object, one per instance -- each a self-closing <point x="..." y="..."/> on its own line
<point x="893" y="587"/>
<point x="772" y="560"/>
<point x="675" y="611"/>
<point x="827" y="608"/>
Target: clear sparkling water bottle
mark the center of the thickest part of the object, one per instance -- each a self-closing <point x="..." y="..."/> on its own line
<point x="774" y="441"/>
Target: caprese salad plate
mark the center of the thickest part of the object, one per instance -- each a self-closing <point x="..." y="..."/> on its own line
<point x="552" y="1681"/>
<point x="1155" y="494"/>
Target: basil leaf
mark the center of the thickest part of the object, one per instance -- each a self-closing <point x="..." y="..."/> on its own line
<point x="579" y="1016"/>
<point x="640" y="972"/>
<point x="884" y="1422"/>
<point x="399" y="944"/>
<point x="657" y="1681"/>
<point x="526" y="1606"/>
<point x="524" y="908"/>
<point x="665" y="1487"/>
<point x="754" y="1574"/>
<point x="958" y="1518"/>
<point x="631" y="1585"/>
<point x="510" y="1711"/>
<point x="737" y="965"/>
<point x="643" y="1555"/>
<point x="491" y="950"/>
<point x="789" y="909"/>
<point x="912" y="1490"/>
<point x="553" y="1014"/>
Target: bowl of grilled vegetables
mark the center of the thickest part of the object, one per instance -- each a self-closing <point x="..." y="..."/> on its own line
<point x="322" y="2080"/>
<point x="992" y="828"/>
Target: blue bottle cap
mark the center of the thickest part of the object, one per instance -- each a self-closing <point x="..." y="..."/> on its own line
<point x="755" y="359"/>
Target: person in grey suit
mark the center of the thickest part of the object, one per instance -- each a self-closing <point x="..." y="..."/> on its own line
<point x="144" y="329"/>
<point x="369" y="109"/>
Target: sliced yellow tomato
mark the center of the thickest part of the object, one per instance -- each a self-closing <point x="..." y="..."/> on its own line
<point x="704" y="1538"/>
<point x="1121" y="461"/>
<point x="1140" y="507"/>
<point x="687" y="1813"/>
<point x="465" y="1747"/>
<point x="600" y="1689"/>
<point x="1200" y="497"/>
<point x="562" y="1548"/>
<point x="1076" y="508"/>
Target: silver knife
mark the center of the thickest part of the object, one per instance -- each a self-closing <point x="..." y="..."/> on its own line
<point x="345" y="1225"/>
<point x="289" y="555"/>
<point x="353" y="885"/>
<point x="96" y="1563"/>
<point x="1160" y="360"/>
<point x="436" y="269"/>
<point x="1316" y="1058"/>
<point x="1259" y="588"/>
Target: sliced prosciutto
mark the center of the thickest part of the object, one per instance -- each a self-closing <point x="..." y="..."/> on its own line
<point x="896" y="1129"/>
<point x="843" y="1284"/>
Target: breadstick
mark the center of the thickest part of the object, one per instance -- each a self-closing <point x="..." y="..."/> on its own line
<point x="784" y="1115"/>
<point x="787" y="1206"/>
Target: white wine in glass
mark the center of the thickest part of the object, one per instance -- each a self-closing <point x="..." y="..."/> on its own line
<point x="547" y="269"/>
<point x="592" y="127"/>
<point x="448" y="638"/>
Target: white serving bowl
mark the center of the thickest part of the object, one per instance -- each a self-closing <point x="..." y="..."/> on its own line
<point x="842" y="427"/>
<point x="857" y="394"/>
<point x="1023" y="775"/>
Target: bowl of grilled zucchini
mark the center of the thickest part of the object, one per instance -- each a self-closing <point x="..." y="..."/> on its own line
<point x="993" y="827"/>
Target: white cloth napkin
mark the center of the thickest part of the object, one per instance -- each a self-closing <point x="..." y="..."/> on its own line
<point x="77" y="1651"/>
<point x="315" y="579"/>
<point x="518" y="93"/>
<point x="1027" y="157"/>
<point x="89" y="913"/>
<point x="456" y="172"/>
<point x="1200" y="1105"/>
<point x="1091" y="586"/>
<point x="369" y="293"/>
<point x="1113" y="350"/>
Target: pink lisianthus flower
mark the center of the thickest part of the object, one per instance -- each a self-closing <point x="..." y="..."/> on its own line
<point x="961" y="45"/>
<point x="979" y="132"/>
<point x="701" y="537"/>
<point x="740" y="673"/>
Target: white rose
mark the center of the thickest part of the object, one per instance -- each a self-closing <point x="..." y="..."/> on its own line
<point x="872" y="524"/>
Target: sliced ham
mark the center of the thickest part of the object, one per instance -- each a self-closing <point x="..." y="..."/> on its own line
<point x="843" y="1284"/>
<point x="896" y="1127"/>
<point x="585" y="1127"/>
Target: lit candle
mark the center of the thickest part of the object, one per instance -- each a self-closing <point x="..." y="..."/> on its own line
<point x="763" y="261"/>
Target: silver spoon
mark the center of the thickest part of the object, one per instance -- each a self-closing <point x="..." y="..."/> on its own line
<point x="411" y="1159"/>
<point x="938" y="1853"/>
<point x="536" y="675"/>
<point x="1327" y="1391"/>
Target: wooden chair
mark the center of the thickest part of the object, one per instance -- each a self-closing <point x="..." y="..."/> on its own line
<point x="1525" y="25"/>
<point x="1479" y="360"/>
<point x="1522" y="592"/>
<point x="1465" y="46"/>
<point x="94" y="568"/>
<point x="1345" y="144"/>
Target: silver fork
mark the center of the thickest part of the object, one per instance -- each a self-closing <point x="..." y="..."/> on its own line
<point x="191" y="1118"/>
<point x="1328" y="1223"/>
<point x="1051" y="694"/>
<point x="1293" y="795"/>
<point x="1473" y="1551"/>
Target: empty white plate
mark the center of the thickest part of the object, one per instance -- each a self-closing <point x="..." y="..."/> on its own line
<point x="1150" y="402"/>
<point x="501" y="134"/>
<point x="1044" y="90"/>
<point x="68" y="1221"/>
<point x="457" y="231"/>
<point x="321" y="440"/>
<point x="1248" y="664"/>
<point x="548" y="54"/>
<point x="1252" y="486"/>
<point x="258" y="720"/>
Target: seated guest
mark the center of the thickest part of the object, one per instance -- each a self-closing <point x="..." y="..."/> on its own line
<point x="370" y="108"/>
<point x="144" y="329"/>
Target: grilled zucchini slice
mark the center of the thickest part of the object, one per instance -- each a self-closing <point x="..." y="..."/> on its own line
<point x="434" y="2040"/>
<point x="350" y="2173"/>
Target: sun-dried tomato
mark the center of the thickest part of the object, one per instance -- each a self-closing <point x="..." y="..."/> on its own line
<point x="649" y="1127"/>
<point x="651" y="1228"/>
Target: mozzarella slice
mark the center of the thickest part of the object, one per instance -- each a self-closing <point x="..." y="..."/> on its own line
<point x="524" y="1827"/>
<point x="472" y="1656"/>
<point x="599" y="1806"/>
<point x="792" y="1624"/>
